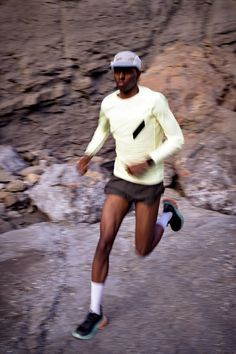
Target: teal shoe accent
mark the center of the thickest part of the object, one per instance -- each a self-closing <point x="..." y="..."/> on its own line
<point x="177" y="220"/>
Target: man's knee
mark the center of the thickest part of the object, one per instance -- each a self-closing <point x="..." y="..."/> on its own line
<point x="143" y="243"/>
<point x="142" y="251"/>
<point x="104" y="247"/>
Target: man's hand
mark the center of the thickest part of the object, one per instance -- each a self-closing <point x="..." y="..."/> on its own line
<point x="82" y="164"/>
<point x="138" y="169"/>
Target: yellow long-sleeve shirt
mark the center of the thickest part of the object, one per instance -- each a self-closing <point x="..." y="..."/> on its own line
<point x="159" y="135"/>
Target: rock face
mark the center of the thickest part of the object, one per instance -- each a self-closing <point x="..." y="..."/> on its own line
<point x="201" y="95"/>
<point x="63" y="195"/>
<point x="55" y="71"/>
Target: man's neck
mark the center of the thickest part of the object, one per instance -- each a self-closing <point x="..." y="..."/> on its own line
<point x="129" y="94"/>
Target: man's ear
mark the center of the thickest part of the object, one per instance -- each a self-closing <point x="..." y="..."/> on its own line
<point x="138" y="73"/>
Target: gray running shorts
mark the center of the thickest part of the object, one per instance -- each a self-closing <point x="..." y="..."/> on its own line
<point x="134" y="192"/>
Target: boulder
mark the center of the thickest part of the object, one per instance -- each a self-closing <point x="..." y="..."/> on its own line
<point x="207" y="175"/>
<point x="11" y="214"/>
<point x="37" y="170"/>
<point x="5" y="177"/>
<point x="9" y="199"/>
<point x="10" y="160"/>
<point x="64" y="195"/>
<point x="32" y="178"/>
<point x="3" y="195"/>
<point x="16" y="186"/>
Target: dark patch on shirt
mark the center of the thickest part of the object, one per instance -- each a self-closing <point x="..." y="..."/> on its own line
<point x="138" y="129"/>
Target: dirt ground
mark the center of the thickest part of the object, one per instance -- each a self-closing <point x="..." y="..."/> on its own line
<point x="180" y="299"/>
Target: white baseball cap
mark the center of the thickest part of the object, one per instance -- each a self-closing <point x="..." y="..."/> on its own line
<point x="126" y="59"/>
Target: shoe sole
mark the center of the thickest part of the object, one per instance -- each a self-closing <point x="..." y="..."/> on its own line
<point x="174" y="205"/>
<point x="100" y="325"/>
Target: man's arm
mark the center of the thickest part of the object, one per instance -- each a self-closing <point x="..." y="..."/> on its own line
<point x="174" y="139"/>
<point x="174" y="136"/>
<point x="99" y="137"/>
<point x="83" y="164"/>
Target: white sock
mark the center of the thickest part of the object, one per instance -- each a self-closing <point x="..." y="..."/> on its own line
<point x="96" y="297"/>
<point x="164" y="219"/>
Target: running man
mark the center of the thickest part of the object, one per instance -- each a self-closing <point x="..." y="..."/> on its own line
<point x="146" y="133"/>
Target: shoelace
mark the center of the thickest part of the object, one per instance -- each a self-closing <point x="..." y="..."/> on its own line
<point x="91" y="318"/>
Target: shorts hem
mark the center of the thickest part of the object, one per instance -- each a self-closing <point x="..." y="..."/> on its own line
<point x="134" y="192"/>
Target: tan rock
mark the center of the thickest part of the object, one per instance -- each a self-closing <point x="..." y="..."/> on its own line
<point x="16" y="186"/>
<point x="31" y="99"/>
<point x="36" y="170"/>
<point x="94" y="175"/>
<point x="8" y="106"/>
<point x="191" y="78"/>
<point x="81" y="83"/>
<point x="3" y="195"/>
<point x="6" y="176"/>
<point x="10" y="200"/>
<point x="32" y="178"/>
<point x="48" y="94"/>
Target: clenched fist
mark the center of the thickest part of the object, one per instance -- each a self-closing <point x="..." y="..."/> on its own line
<point x="138" y="169"/>
<point x="83" y="164"/>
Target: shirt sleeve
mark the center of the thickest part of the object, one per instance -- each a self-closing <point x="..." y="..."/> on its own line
<point x="100" y="135"/>
<point x="173" y="134"/>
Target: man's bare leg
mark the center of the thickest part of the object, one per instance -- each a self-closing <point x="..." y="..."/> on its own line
<point x="147" y="233"/>
<point x="114" y="210"/>
<point x="149" y="230"/>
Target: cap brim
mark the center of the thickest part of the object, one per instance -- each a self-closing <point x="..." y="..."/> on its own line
<point x="123" y="64"/>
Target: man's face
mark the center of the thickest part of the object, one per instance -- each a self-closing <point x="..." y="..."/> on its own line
<point x="126" y="78"/>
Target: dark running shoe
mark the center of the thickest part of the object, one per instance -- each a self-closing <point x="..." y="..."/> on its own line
<point x="176" y="222"/>
<point x="89" y="327"/>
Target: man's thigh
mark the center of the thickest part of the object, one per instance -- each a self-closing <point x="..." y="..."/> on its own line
<point x="146" y="216"/>
<point x="114" y="210"/>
